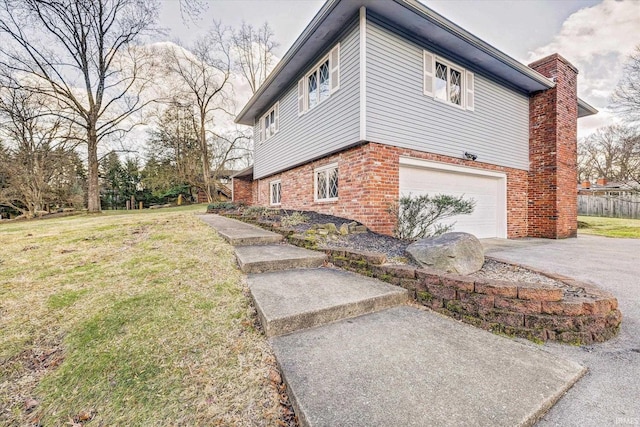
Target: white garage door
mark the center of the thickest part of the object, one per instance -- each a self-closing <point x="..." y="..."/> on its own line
<point x="487" y="188"/>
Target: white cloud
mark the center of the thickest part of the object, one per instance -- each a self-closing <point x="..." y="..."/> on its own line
<point x="598" y="41"/>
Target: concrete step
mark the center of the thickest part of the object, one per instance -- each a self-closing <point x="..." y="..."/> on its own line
<point x="292" y="300"/>
<point x="238" y="233"/>
<point x="260" y="259"/>
<point x="408" y="367"/>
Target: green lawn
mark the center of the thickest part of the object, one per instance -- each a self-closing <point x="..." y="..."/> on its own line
<point x="609" y="227"/>
<point x="128" y="318"/>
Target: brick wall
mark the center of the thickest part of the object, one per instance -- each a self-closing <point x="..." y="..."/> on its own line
<point x="369" y="182"/>
<point x="553" y="115"/>
<point x="243" y="190"/>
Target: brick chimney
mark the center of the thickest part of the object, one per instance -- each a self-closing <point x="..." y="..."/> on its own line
<point x="602" y="182"/>
<point x="586" y="184"/>
<point x="553" y="122"/>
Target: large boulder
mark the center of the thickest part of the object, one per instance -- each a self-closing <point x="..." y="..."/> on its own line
<point x="460" y="253"/>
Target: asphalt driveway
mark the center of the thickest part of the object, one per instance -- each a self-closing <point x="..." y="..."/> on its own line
<point x="610" y="392"/>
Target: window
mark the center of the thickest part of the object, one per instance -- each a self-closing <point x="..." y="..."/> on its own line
<point x="275" y="192"/>
<point x="326" y="183"/>
<point x="270" y="123"/>
<point x="320" y="82"/>
<point x="448" y="82"/>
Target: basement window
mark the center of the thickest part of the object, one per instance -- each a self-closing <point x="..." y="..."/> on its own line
<point x="275" y="193"/>
<point x="326" y="183"/>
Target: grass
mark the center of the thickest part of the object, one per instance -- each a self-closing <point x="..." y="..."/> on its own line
<point x="609" y="227"/>
<point x="128" y="318"/>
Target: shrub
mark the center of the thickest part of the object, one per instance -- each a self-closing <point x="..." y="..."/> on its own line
<point x="260" y="212"/>
<point x="215" y="206"/>
<point x="418" y="217"/>
<point x="253" y="211"/>
<point x="293" y="219"/>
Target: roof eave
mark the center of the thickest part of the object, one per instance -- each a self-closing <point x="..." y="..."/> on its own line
<point x="476" y="42"/>
<point x="530" y="79"/>
<point x="585" y="109"/>
<point x="284" y="61"/>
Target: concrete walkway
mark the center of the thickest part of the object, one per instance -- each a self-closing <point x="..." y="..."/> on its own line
<point x="353" y="353"/>
<point x="608" y="395"/>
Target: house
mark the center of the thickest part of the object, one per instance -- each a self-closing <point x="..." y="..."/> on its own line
<point x="603" y="187"/>
<point x="380" y="98"/>
<point x="222" y="181"/>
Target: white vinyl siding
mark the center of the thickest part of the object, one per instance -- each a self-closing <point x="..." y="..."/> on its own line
<point x="329" y="127"/>
<point x="398" y="112"/>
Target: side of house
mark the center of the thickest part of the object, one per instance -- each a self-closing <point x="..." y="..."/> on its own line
<point x="384" y="110"/>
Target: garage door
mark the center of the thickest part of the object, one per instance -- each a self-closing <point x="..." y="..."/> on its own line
<point x="487" y="188"/>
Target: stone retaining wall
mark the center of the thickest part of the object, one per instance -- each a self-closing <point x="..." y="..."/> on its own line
<point x="529" y="310"/>
<point x="578" y="314"/>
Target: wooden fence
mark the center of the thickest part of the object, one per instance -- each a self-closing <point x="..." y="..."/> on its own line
<point x="622" y="206"/>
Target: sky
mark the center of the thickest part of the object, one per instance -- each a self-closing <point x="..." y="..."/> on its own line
<point x="596" y="36"/>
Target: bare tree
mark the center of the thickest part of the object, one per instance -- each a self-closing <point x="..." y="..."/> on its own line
<point x="626" y="97"/>
<point x="253" y="49"/>
<point x="76" y="52"/>
<point x="37" y="161"/>
<point x="612" y="152"/>
<point x="205" y="74"/>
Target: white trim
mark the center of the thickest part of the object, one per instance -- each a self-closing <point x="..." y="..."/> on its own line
<point x="430" y="164"/>
<point x="271" y="184"/>
<point x="428" y="66"/>
<point x="464" y="75"/>
<point x="470" y="91"/>
<point x="302" y="99"/>
<point x="334" y="68"/>
<point x="363" y="73"/>
<point x="314" y="69"/>
<point x="317" y="170"/>
<point x="275" y="108"/>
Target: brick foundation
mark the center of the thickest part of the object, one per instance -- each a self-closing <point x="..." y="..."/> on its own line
<point x="243" y="190"/>
<point x="369" y="183"/>
<point x="553" y="115"/>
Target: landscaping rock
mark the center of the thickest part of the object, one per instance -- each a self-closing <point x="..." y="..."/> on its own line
<point x="344" y="229"/>
<point x="330" y="227"/>
<point x="460" y="253"/>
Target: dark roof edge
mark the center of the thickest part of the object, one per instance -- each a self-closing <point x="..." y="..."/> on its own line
<point x="478" y="43"/>
<point x="244" y="172"/>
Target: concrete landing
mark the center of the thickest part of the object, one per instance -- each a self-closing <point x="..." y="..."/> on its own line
<point x="292" y="300"/>
<point x="260" y="259"/>
<point x="238" y="233"/>
<point x="403" y="366"/>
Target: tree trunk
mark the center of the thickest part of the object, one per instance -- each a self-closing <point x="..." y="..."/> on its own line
<point x="206" y="167"/>
<point x="93" y="192"/>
